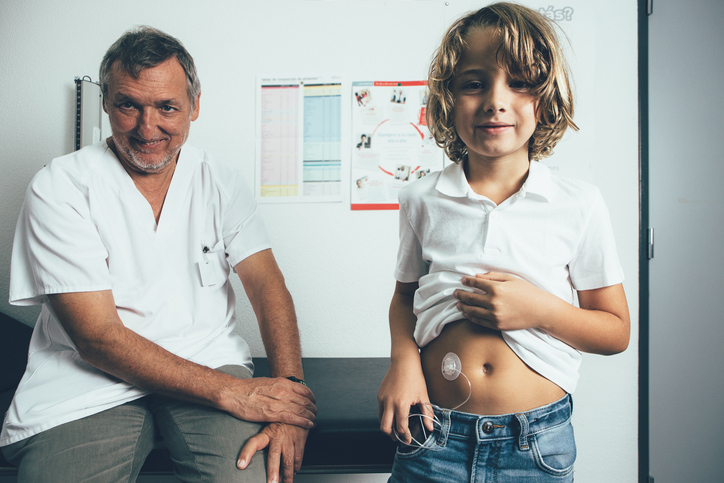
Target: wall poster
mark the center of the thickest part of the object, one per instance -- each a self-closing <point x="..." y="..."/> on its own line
<point x="391" y="145"/>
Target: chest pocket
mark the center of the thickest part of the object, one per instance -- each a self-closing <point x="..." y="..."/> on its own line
<point x="213" y="267"/>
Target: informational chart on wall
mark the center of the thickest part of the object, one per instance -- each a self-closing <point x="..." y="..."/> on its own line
<point x="299" y="139"/>
<point x="391" y="144"/>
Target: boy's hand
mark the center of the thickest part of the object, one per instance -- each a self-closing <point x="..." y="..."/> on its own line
<point x="403" y="387"/>
<point x="508" y="302"/>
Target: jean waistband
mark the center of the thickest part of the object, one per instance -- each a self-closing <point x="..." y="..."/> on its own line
<point x="504" y="426"/>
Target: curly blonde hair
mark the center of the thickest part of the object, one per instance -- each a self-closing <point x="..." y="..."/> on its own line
<point x="529" y="51"/>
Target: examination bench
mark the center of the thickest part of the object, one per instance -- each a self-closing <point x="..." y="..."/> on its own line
<point x="346" y="438"/>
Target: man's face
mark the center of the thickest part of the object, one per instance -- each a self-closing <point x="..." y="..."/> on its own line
<point x="150" y="116"/>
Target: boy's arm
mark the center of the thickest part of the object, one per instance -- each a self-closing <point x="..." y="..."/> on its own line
<point x="600" y="326"/>
<point x="404" y="384"/>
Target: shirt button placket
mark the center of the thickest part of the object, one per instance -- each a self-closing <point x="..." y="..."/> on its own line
<point x="486" y="228"/>
<point x="491" y="245"/>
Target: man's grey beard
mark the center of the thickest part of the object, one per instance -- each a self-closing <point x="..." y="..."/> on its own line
<point x="138" y="163"/>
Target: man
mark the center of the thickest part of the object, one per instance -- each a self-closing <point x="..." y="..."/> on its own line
<point x="128" y="245"/>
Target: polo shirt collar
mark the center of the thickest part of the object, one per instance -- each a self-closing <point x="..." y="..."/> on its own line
<point x="452" y="181"/>
<point x="539" y="181"/>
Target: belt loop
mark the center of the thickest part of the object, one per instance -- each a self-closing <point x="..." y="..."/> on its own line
<point x="523" y="437"/>
<point x="444" y="427"/>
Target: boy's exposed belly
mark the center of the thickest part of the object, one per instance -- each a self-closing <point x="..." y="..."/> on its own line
<point x="501" y="382"/>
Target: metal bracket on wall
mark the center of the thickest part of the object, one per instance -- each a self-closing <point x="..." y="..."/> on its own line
<point x="649" y="11"/>
<point x="650" y="242"/>
<point x="79" y="108"/>
<point x="78" y="80"/>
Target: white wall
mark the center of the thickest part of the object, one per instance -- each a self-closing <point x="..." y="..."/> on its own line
<point x="338" y="264"/>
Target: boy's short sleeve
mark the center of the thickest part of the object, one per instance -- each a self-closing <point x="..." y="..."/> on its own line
<point x="595" y="263"/>
<point x="410" y="264"/>
<point x="56" y="249"/>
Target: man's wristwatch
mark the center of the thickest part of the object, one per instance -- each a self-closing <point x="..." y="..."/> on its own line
<point x="296" y="379"/>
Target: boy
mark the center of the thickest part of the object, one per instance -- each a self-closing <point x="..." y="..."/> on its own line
<point x="491" y="250"/>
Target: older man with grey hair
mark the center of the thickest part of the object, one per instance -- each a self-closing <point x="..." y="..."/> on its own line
<point x="128" y="245"/>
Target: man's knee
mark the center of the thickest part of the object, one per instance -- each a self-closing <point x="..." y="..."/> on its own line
<point x="205" y="442"/>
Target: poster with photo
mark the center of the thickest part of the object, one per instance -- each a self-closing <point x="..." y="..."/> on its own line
<point x="391" y="145"/>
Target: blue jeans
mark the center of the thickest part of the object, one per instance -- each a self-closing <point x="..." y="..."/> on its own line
<point x="536" y="447"/>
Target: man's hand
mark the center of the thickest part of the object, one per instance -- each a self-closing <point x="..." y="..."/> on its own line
<point x="270" y="400"/>
<point x="286" y="449"/>
<point x="507" y="302"/>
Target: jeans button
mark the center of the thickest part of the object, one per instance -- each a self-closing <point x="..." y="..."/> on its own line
<point x="487" y="427"/>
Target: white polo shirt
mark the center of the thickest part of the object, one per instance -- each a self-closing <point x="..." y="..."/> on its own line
<point x="84" y="226"/>
<point x="554" y="233"/>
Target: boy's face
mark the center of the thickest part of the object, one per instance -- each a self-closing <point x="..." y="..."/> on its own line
<point x="495" y="115"/>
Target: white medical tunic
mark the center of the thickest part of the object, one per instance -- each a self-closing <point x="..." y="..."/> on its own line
<point x="554" y="233"/>
<point x="84" y="226"/>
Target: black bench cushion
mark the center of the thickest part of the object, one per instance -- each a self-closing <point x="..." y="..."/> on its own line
<point x="14" y="341"/>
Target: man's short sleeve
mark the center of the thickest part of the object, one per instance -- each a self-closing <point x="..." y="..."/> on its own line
<point x="244" y="231"/>
<point x="56" y="248"/>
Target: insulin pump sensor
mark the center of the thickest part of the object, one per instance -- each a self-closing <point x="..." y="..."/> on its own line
<point x="451" y="369"/>
<point x="451" y="366"/>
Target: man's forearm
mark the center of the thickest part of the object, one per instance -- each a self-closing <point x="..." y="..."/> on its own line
<point x="280" y="336"/>
<point x="274" y="310"/>
<point x="92" y="323"/>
